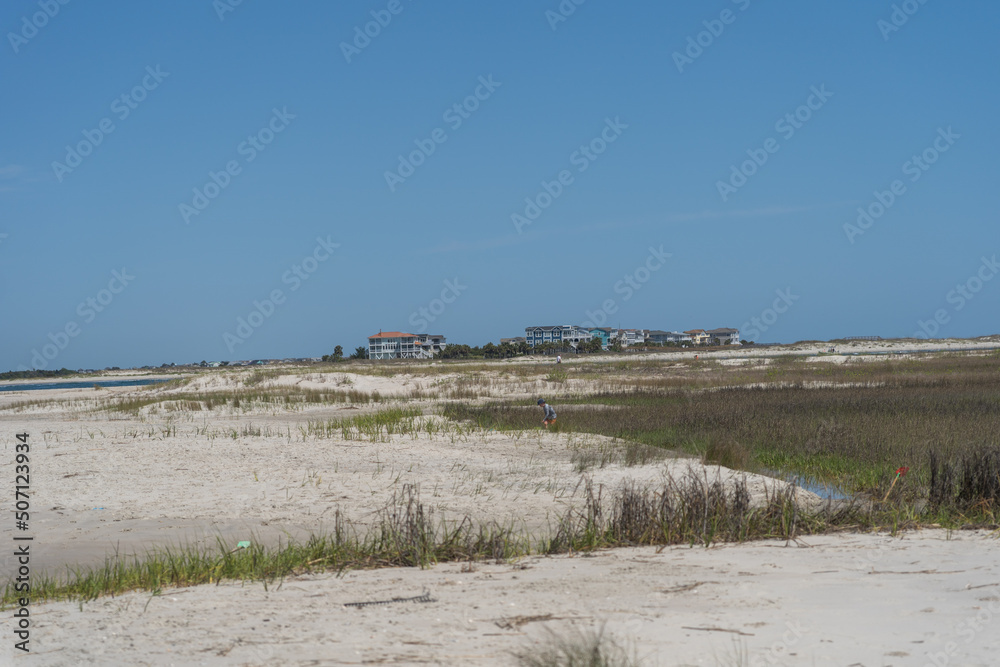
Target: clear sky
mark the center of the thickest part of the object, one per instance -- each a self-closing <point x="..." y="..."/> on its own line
<point x="167" y="169"/>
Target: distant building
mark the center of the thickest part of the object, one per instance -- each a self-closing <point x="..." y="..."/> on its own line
<point x="602" y="333"/>
<point x="657" y="336"/>
<point x="610" y="335"/>
<point x="698" y="336"/>
<point x="630" y="337"/>
<point x="399" y="345"/>
<point x="575" y="335"/>
<point x="565" y="333"/>
<point x="514" y="341"/>
<point x="724" y="336"/>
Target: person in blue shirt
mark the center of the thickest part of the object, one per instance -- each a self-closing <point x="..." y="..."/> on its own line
<point x="550" y="414"/>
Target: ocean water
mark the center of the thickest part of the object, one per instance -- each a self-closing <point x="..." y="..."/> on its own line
<point x="37" y="386"/>
<point x="825" y="491"/>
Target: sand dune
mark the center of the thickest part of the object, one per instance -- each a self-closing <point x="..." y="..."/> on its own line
<point x="107" y="482"/>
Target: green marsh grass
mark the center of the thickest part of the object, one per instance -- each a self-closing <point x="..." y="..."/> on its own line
<point x="629" y="454"/>
<point x="242" y="399"/>
<point x="376" y="427"/>
<point x="687" y="511"/>
<point x="850" y="426"/>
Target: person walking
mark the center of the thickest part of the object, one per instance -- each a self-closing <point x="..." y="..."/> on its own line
<point x="550" y="414"/>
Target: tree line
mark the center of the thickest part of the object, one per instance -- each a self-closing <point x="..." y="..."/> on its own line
<point x="506" y="350"/>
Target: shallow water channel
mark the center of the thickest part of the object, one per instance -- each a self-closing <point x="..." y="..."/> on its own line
<point x="36" y="386"/>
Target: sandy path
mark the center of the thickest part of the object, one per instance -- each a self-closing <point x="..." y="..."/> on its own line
<point x="101" y="488"/>
<point x="843" y="600"/>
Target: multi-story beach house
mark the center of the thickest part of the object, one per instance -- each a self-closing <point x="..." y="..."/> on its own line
<point x="632" y="336"/>
<point x="399" y="345"/>
<point x="601" y="332"/>
<point x="513" y="341"/>
<point x="667" y="337"/>
<point x="724" y="336"/>
<point x="698" y="336"/>
<point x="564" y="333"/>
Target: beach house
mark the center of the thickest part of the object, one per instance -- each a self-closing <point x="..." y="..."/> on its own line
<point x="698" y="336"/>
<point x="564" y="333"/>
<point x="724" y="336"/>
<point x="399" y="345"/>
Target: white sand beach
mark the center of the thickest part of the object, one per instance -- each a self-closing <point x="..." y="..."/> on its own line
<point x="107" y="482"/>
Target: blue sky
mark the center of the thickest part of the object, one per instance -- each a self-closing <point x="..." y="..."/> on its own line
<point x="640" y="121"/>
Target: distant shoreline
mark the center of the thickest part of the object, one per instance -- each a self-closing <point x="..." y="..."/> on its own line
<point x="843" y="347"/>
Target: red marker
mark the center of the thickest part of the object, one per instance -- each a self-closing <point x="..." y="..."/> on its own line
<point x="899" y="473"/>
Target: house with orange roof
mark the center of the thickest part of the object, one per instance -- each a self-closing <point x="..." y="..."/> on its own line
<point x="698" y="336"/>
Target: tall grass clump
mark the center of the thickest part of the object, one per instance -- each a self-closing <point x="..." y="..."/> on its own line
<point x="375" y="427"/>
<point x="691" y="510"/>
<point x="628" y="454"/>
<point x="576" y="648"/>
<point x="969" y="483"/>
<point x="725" y="451"/>
<point x="557" y="375"/>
